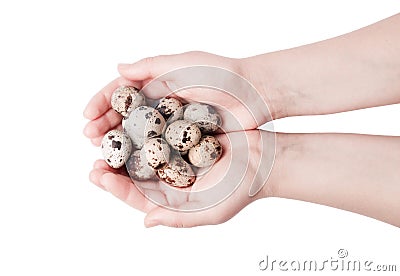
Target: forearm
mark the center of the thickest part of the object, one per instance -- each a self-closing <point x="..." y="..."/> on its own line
<point x="358" y="173"/>
<point x="357" y="70"/>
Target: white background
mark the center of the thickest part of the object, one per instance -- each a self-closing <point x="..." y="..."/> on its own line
<point x="54" y="55"/>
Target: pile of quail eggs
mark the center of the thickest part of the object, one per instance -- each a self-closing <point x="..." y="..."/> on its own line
<point x="168" y="140"/>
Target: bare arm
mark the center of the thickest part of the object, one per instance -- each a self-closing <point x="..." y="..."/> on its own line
<point x="353" y="172"/>
<point x="358" y="173"/>
<point x="356" y="70"/>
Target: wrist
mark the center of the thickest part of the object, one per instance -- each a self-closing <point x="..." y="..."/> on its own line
<point x="288" y="147"/>
<point x="259" y="72"/>
<point x="267" y="162"/>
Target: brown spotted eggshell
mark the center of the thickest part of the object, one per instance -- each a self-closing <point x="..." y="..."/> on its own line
<point x="157" y="152"/>
<point x="168" y="106"/>
<point x="177" y="173"/>
<point x="182" y="135"/>
<point x="204" y="115"/>
<point x="126" y="98"/>
<point x="138" y="167"/>
<point x="144" y="122"/>
<point x="206" y="152"/>
<point x="116" y="148"/>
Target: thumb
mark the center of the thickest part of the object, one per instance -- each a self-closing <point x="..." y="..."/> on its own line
<point x="148" y="69"/>
<point x="177" y="219"/>
<point x="152" y="67"/>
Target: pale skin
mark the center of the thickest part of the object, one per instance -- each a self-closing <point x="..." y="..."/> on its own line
<point x="358" y="173"/>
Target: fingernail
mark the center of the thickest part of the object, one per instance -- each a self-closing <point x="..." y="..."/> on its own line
<point x="104" y="186"/>
<point x="151" y="223"/>
<point x="103" y="182"/>
<point x="86" y="132"/>
<point x="89" y="113"/>
<point x="86" y="113"/>
<point x="123" y="66"/>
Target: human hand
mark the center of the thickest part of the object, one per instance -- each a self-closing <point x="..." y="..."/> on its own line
<point x="242" y="109"/>
<point x="297" y="81"/>
<point x="215" y="197"/>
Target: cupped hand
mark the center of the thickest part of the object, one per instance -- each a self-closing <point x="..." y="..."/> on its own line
<point x="241" y="108"/>
<point x="230" y="184"/>
<point x="214" y="198"/>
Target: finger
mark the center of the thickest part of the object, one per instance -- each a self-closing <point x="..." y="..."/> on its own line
<point x="150" y="67"/>
<point x="97" y="140"/>
<point x="158" y="89"/>
<point x="94" y="177"/>
<point x="101" y="102"/>
<point x="101" y="125"/>
<point x="170" y="218"/>
<point x="123" y="188"/>
<point x="101" y="164"/>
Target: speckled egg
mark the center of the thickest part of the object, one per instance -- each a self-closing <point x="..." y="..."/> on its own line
<point x="116" y="148"/>
<point x="168" y="106"/>
<point x="177" y="115"/>
<point x="204" y="115"/>
<point x="138" y="168"/>
<point x="206" y="152"/>
<point x="182" y="135"/>
<point x="157" y="152"/>
<point x="137" y="141"/>
<point x="177" y="173"/>
<point x="126" y="98"/>
<point x="145" y="122"/>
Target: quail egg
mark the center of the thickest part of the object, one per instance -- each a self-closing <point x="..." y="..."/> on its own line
<point x="157" y="152"/>
<point x="126" y="98"/>
<point x="206" y="152"/>
<point x="177" y="115"/>
<point x="168" y="106"/>
<point x="137" y="141"/>
<point x="138" y="168"/>
<point x="204" y="115"/>
<point x="144" y="122"/>
<point x="182" y="135"/>
<point x="177" y="173"/>
<point x="116" y="148"/>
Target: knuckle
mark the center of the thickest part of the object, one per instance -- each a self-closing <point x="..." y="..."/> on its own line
<point x="148" y="60"/>
<point x="177" y="223"/>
